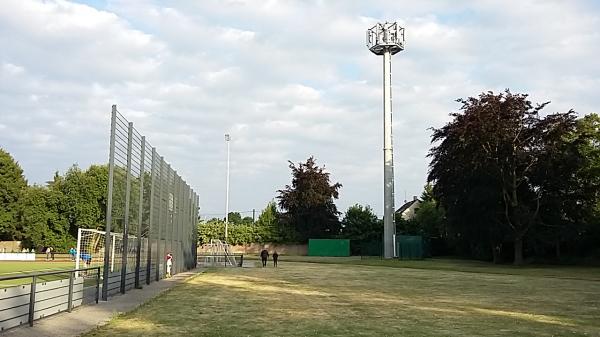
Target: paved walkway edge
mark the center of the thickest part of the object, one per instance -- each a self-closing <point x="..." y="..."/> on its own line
<point x="85" y="318"/>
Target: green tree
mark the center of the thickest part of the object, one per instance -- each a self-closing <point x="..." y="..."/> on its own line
<point x="97" y="180"/>
<point x="571" y="219"/>
<point x="269" y="216"/>
<point x="309" y="201"/>
<point x="12" y="183"/>
<point x="406" y="226"/>
<point x="428" y="194"/>
<point x="270" y="228"/>
<point x="360" y="223"/>
<point x="42" y="222"/>
<point x="485" y="163"/>
<point x="211" y="229"/>
<point x="266" y="229"/>
<point x="235" y="218"/>
<point x="85" y="195"/>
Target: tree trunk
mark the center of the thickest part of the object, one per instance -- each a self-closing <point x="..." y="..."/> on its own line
<point x="518" y="251"/>
<point x="557" y="250"/>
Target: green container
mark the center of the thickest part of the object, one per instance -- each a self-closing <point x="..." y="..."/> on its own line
<point x="409" y="247"/>
<point x="328" y="247"/>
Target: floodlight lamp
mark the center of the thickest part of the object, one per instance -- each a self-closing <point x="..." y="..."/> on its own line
<point x="384" y="37"/>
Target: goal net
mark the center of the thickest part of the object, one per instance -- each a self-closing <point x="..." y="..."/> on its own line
<point x="91" y="251"/>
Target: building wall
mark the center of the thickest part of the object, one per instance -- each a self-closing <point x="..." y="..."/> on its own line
<point x="409" y="213"/>
<point x="255" y="248"/>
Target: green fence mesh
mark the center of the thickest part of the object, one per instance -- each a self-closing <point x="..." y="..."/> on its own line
<point x="409" y="247"/>
<point x="370" y="248"/>
<point x="328" y="247"/>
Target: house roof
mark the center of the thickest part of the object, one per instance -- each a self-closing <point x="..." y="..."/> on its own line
<point x="406" y="206"/>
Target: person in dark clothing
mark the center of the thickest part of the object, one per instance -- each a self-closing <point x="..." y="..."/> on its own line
<point x="264" y="255"/>
<point x="275" y="257"/>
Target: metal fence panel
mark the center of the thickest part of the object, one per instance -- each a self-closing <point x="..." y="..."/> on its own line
<point x="151" y="208"/>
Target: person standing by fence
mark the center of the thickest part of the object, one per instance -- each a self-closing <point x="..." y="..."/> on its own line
<point x="169" y="264"/>
<point x="275" y="257"/>
<point x="48" y="252"/>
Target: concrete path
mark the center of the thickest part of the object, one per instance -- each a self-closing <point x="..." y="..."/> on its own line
<point x="85" y="318"/>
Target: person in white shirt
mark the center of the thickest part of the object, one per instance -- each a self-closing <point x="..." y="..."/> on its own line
<point x="169" y="264"/>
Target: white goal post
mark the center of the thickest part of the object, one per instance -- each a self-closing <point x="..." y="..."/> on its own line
<point x="90" y="248"/>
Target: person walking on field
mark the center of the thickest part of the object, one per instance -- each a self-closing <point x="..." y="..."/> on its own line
<point x="264" y="255"/>
<point x="169" y="264"/>
<point x="72" y="252"/>
<point x="275" y="257"/>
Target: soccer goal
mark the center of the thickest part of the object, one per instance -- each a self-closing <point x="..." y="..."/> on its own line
<point x="219" y="254"/>
<point x="90" y="248"/>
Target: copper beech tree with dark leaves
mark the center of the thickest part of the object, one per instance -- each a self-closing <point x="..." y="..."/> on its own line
<point x="309" y="202"/>
<point x="495" y="164"/>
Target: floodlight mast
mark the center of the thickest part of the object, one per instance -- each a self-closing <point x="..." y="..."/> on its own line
<point x="387" y="39"/>
<point x="227" y="139"/>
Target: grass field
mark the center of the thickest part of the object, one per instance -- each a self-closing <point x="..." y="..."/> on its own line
<point x="350" y="299"/>
<point x="450" y="264"/>
<point x="21" y="267"/>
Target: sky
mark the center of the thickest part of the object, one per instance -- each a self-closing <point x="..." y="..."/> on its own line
<point x="287" y="79"/>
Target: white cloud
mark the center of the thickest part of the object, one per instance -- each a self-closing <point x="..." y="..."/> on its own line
<point x="287" y="79"/>
<point x="12" y="69"/>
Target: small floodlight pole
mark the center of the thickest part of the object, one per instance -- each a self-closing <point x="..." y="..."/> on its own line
<point x="387" y="39"/>
<point x="227" y="139"/>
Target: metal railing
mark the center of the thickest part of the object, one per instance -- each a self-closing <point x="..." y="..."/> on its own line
<point x="41" y="298"/>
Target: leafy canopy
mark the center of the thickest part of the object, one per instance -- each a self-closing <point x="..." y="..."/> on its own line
<point x="308" y="201"/>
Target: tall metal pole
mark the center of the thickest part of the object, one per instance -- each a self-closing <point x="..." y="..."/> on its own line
<point x="387" y="39"/>
<point x="389" y="226"/>
<point x="227" y="139"/>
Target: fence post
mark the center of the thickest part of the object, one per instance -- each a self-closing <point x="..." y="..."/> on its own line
<point x="77" y="252"/>
<point x="180" y="214"/>
<point x="187" y="226"/>
<point x="109" y="200"/>
<point x="70" y="300"/>
<point x="32" y="300"/>
<point x="169" y="220"/>
<point x="195" y="244"/>
<point x="138" y="249"/>
<point x="160" y="219"/>
<point x="127" y="206"/>
<point x="183" y="227"/>
<point x="174" y="218"/>
<point x="97" y="284"/>
<point x="151" y="216"/>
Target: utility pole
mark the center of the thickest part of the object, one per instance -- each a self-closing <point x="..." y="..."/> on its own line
<point x="253" y="215"/>
<point x="387" y="39"/>
<point x="227" y="139"/>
